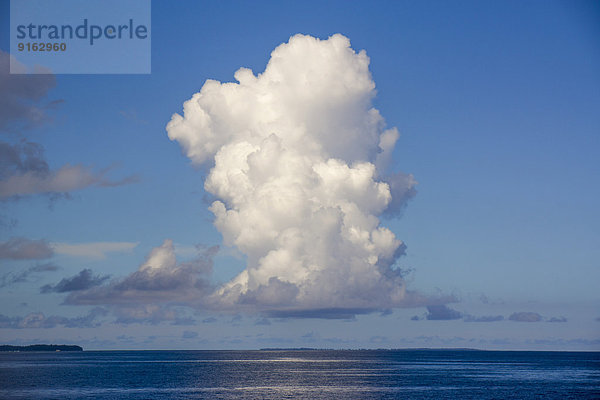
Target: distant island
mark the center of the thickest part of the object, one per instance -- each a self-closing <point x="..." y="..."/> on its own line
<point x="41" y="347"/>
<point x="289" y="349"/>
<point x="380" y="349"/>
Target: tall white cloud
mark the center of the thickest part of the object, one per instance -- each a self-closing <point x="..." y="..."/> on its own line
<point x="295" y="155"/>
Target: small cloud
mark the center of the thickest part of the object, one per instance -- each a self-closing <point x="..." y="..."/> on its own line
<point x="97" y="250"/>
<point x="67" y="178"/>
<point x="415" y="318"/>
<point x="189" y="335"/>
<point x="21" y="96"/>
<point x="46" y="267"/>
<point x="24" y="171"/>
<point x="184" y="321"/>
<point x="8" y="223"/>
<point x="12" y="278"/>
<point x="154" y="293"/>
<point x="82" y="281"/>
<point x="39" y="320"/>
<point x="20" y="248"/>
<point x="378" y="339"/>
<point x="525" y="317"/>
<point x="442" y="312"/>
<point x="323" y="313"/>
<point x="144" y="314"/>
<point x="483" y="318"/>
<point x="262" y="321"/>
<point x="311" y="335"/>
<point x="159" y="280"/>
<point x="209" y="320"/>
<point x="558" y="319"/>
<point x="563" y="343"/>
<point x="486" y="300"/>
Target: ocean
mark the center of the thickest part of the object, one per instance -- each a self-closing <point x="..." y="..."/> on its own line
<point x="300" y="374"/>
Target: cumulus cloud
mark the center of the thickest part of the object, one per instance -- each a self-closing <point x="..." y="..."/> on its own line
<point x="20" y="248"/>
<point x="159" y="280"/>
<point x="442" y="312"/>
<point x="21" y="96"/>
<point x="525" y="317"/>
<point x="22" y="276"/>
<point x="297" y="159"/>
<point x="39" y="320"/>
<point x="97" y="250"/>
<point x="25" y="172"/>
<point x="82" y="281"/>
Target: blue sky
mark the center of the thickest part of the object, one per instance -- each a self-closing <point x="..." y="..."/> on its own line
<point x="498" y="109"/>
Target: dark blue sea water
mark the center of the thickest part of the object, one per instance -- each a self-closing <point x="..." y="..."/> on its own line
<point x="311" y="374"/>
